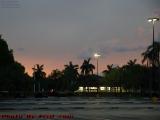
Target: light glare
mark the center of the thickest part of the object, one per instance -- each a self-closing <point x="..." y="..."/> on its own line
<point x="96" y="55"/>
<point x="153" y="19"/>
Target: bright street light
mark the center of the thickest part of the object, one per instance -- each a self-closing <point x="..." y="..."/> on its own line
<point x="96" y="55"/>
<point x="153" y="20"/>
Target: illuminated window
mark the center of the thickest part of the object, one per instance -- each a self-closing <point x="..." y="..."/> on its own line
<point x="80" y="88"/>
<point x="93" y="88"/>
<point x="109" y="88"/>
<point x="102" y="88"/>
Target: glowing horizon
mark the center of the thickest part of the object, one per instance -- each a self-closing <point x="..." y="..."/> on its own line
<point x="54" y="32"/>
<point x="50" y="64"/>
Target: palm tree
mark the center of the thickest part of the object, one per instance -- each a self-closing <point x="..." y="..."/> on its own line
<point x="55" y="74"/>
<point x="112" y="76"/>
<point x="157" y="53"/>
<point x="71" y="66"/>
<point x="147" y="57"/>
<point x="151" y="55"/>
<point x="70" y="76"/>
<point x="38" y="74"/>
<point x="87" y="67"/>
<point x="132" y="62"/>
<point x="109" y="68"/>
<point x="55" y="80"/>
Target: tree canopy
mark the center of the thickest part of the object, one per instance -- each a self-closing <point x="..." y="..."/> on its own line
<point x="12" y="73"/>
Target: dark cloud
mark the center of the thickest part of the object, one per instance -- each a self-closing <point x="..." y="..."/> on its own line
<point x="125" y="49"/>
<point x="86" y="54"/>
<point x="105" y="51"/>
<point x="9" y="3"/>
<point x="155" y="3"/>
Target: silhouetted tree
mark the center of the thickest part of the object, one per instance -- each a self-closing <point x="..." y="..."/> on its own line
<point x="151" y="55"/>
<point x="131" y="62"/>
<point x="55" y="80"/>
<point x="132" y="76"/>
<point x="109" y="68"/>
<point x="70" y="77"/>
<point x="38" y="72"/>
<point x="112" y="76"/>
<point x="12" y="74"/>
<point x="87" y="68"/>
<point x="6" y="55"/>
<point x="39" y="76"/>
<point x="55" y="74"/>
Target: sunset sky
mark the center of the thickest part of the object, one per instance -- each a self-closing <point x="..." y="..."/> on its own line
<point x="54" y="32"/>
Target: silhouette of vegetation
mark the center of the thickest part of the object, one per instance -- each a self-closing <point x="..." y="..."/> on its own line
<point x="12" y="74"/>
<point x="70" y="77"/>
<point x="134" y="77"/>
<point x="131" y="78"/>
<point x="6" y="57"/>
<point x="87" y="68"/>
<point x="151" y="55"/>
<point x="54" y="80"/>
<point x="39" y="77"/>
<point x="87" y="78"/>
<point x="64" y="81"/>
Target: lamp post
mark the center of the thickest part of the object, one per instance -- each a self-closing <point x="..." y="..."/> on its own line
<point x="96" y="55"/>
<point x="153" y="21"/>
